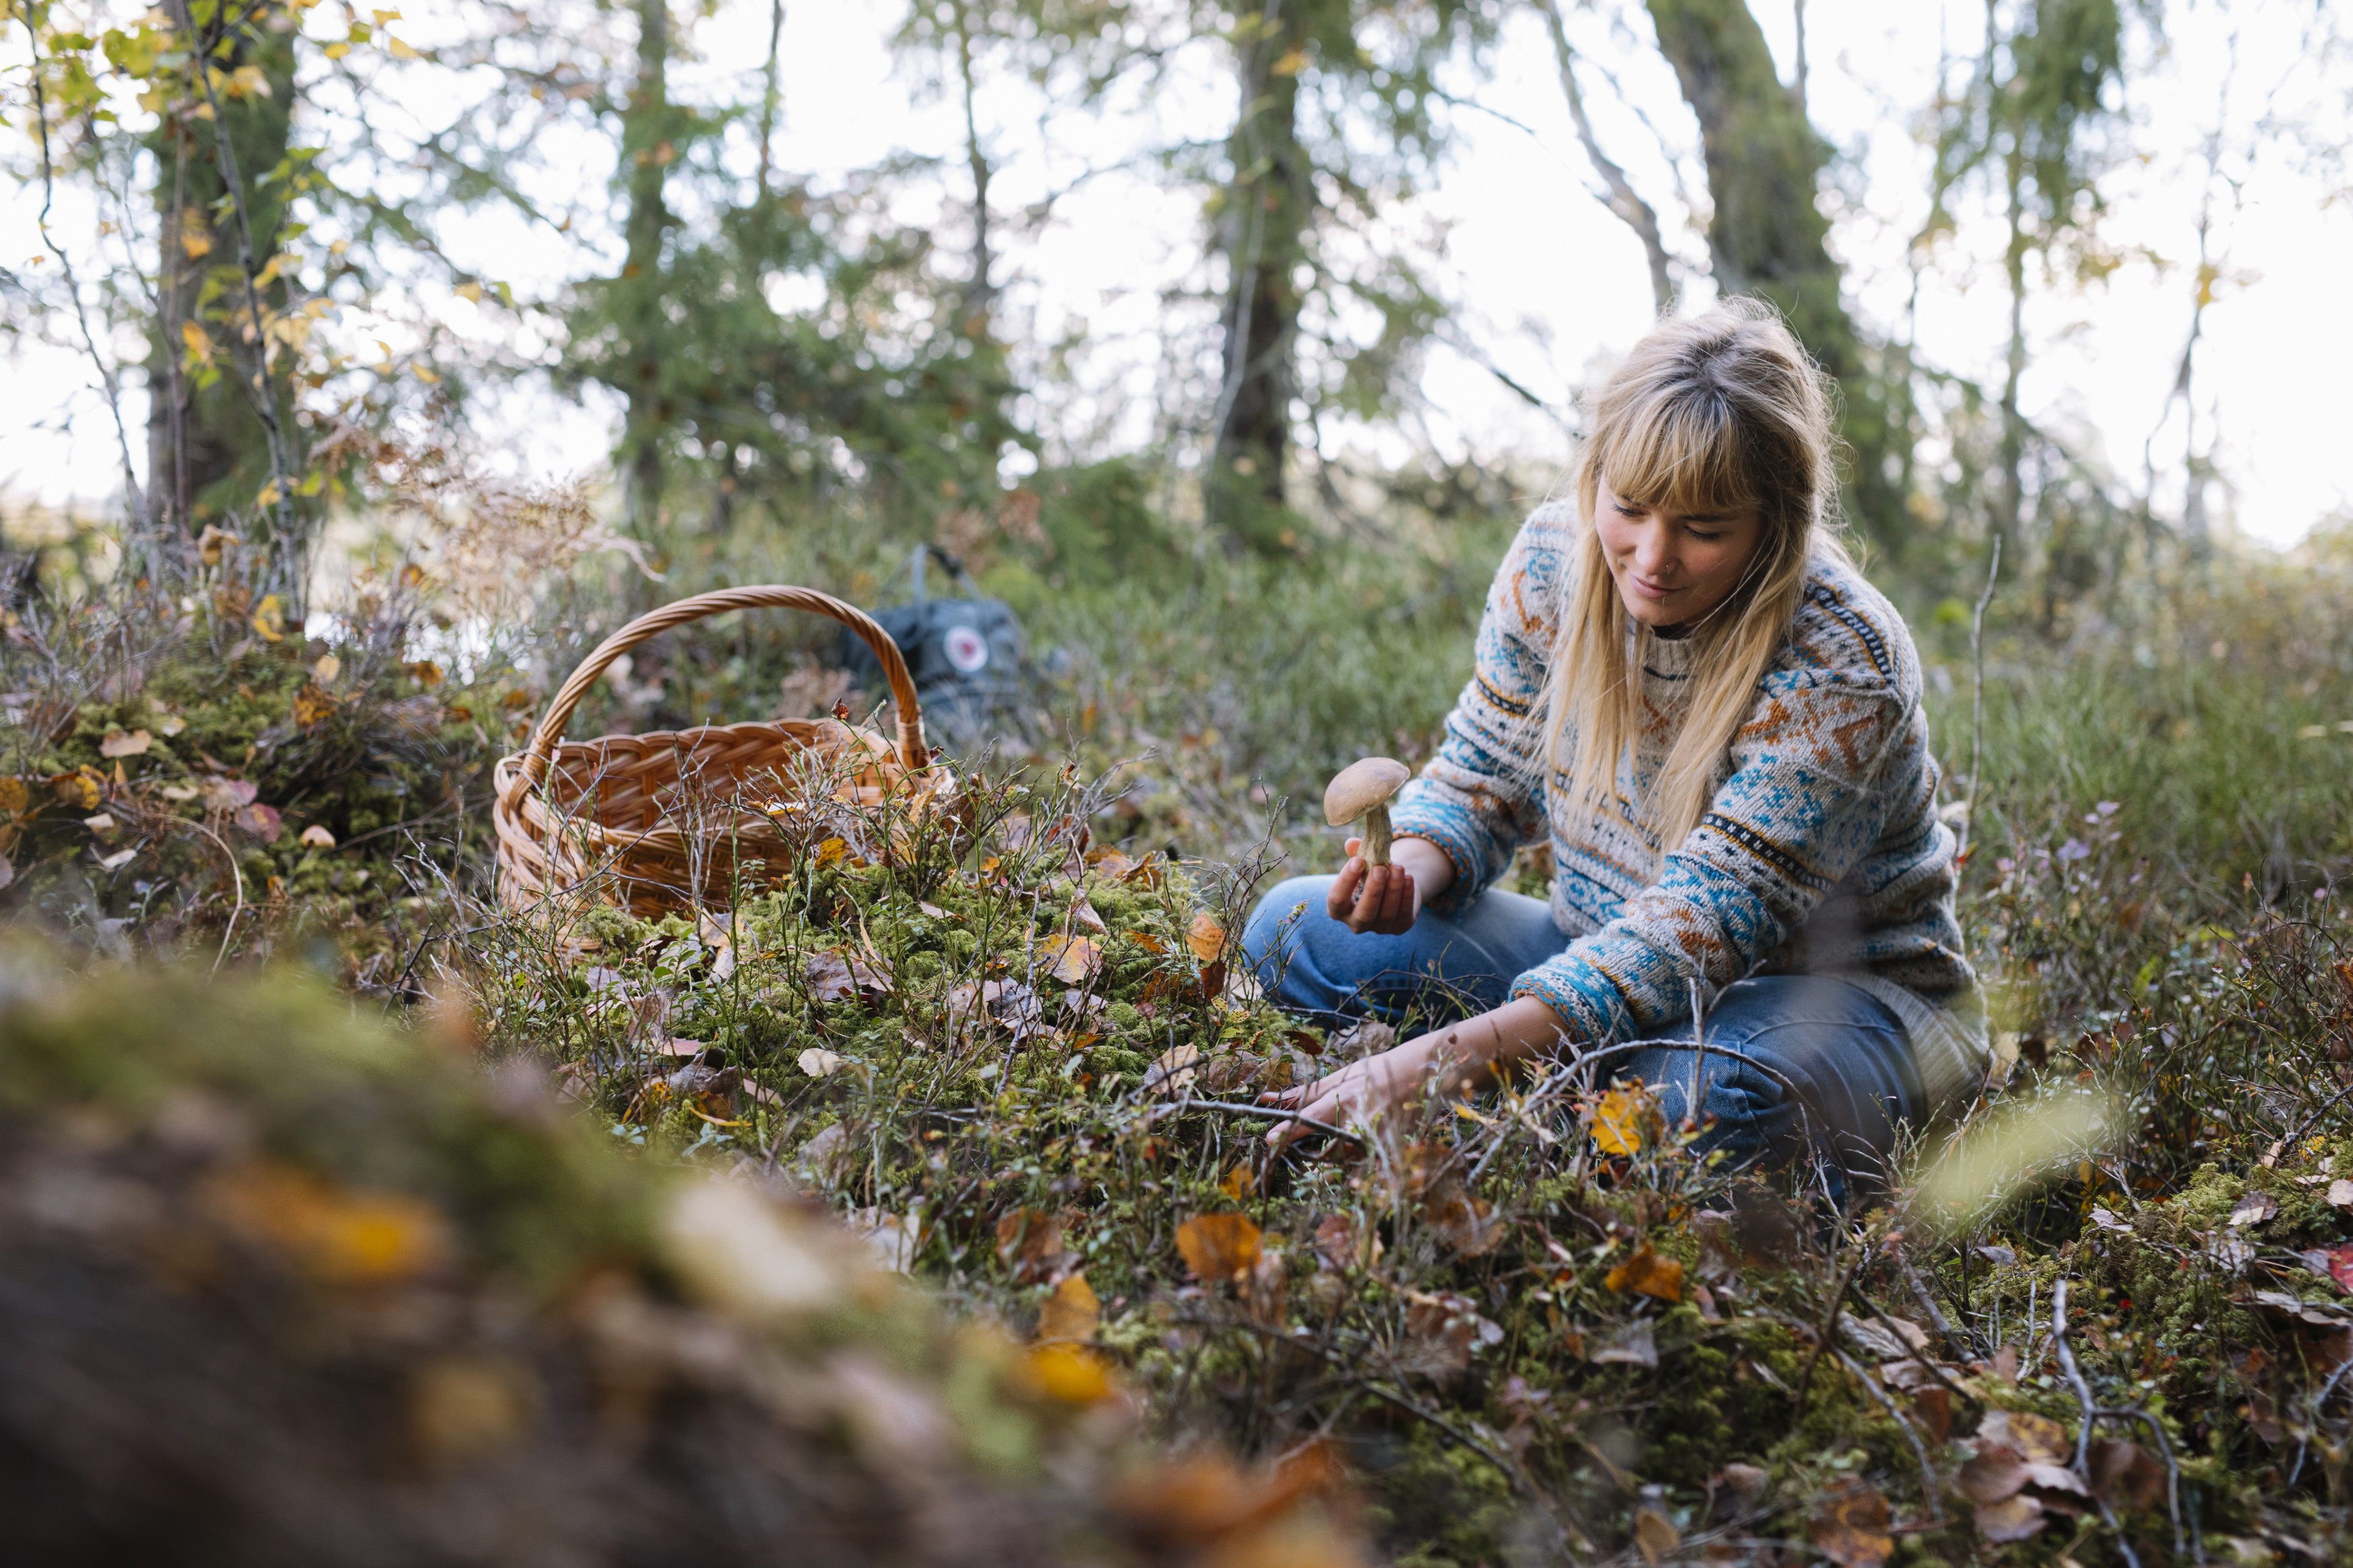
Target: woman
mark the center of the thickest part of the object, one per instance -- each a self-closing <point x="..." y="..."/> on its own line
<point x="1685" y="680"/>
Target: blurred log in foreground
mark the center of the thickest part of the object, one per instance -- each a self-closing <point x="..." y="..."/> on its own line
<point x="277" y="1286"/>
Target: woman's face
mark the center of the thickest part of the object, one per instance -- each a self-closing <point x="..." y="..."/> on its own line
<point x="1672" y="568"/>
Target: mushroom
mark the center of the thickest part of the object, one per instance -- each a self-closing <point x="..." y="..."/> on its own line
<point x="1362" y="790"/>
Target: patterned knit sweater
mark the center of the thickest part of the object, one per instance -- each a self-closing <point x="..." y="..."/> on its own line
<point x="1820" y="852"/>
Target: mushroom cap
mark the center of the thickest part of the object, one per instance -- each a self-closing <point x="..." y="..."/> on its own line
<point x="1362" y="785"/>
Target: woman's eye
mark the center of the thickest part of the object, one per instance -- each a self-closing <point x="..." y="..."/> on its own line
<point x="1632" y="512"/>
<point x="1706" y="538"/>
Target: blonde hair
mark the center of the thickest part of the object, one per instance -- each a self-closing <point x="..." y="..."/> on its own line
<point x="1718" y="412"/>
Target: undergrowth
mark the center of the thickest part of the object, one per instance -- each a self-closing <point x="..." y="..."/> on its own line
<point x="1004" y="1044"/>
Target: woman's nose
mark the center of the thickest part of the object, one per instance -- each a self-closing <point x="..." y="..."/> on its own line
<point x="1654" y="556"/>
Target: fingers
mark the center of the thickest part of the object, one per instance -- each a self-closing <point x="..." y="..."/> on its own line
<point x="1340" y="903"/>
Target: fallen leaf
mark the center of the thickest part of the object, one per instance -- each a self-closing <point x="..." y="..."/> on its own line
<point x="1748" y="1480"/>
<point x="1071" y="959"/>
<point x="819" y="1063"/>
<point x="119" y="743"/>
<point x="1851" y="1527"/>
<point x="2012" y="1519"/>
<point x="262" y="821"/>
<point x="1996" y="1473"/>
<point x="1649" y="1274"/>
<point x="317" y="838"/>
<point x="1238" y="1180"/>
<point x="1218" y="1245"/>
<point x="1206" y="937"/>
<point x="2340" y="1194"/>
<point x="1147" y="941"/>
<point x="1626" y="1119"/>
<point x="1444" y="1329"/>
<point x="1173" y="1072"/>
<point x="838" y="974"/>
<point x="2252" y="1210"/>
<point x="1069" y="1374"/>
<point x="425" y="672"/>
<point x="327" y="668"/>
<point x="269" y="619"/>
<point x="1655" y="1534"/>
<point x="338" y="1234"/>
<point x="116" y="861"/>
<point x="1026" y="1240"/>
<point x="101" y="827"/>
<point x="1071" y="1313"/>
<point x="1086" y="914"/>
<point x="2037" y="1440"/>
<point x="313" y="705"/>
<point x="15" y="797"/>
<point x="2125" y="1473"/>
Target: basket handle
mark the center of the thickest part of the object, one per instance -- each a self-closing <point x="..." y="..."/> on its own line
<point x="913" y="749"/>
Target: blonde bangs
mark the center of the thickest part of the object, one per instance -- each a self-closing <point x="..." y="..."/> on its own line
<point x="1680" y="453"/>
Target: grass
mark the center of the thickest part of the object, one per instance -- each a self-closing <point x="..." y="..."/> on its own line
<point x="1532" y="1326"/>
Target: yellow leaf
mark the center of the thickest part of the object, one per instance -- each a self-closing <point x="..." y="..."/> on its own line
<point x="1206" y="937"/>
<point x="1070" y="959"/>
<point x="472" y="292"/>
<point x="399" y="50"/>
<point x="13" y="796"/>
<point x="1071" y="1313"/>
<point x="1648" y="1274"/>
<point x="269" y="619"/>
<point x="1238" y="1180"/>
<point x="1292" y="62"/>
<point x="1066" y="1372"/>
<point x="1624" y="1120"/>
<point x="336" y="50"/>
<point x="195" y="244"/>
<point x="268" y="496"/>
<point x="830" y="852"/>
<point x="200" y="346"/>
<point x="1218" y="1245"/>
<point x="427" y="376"/>
<point x="313" y="705"/>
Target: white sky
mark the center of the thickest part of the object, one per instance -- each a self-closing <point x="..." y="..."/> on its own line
<point x="1546" y="281"/>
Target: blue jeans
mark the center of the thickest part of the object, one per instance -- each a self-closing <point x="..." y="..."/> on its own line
<point x="1814" y="1055"/>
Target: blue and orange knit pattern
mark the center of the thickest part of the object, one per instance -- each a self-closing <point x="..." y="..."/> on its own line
<point x="1820" y="851"/>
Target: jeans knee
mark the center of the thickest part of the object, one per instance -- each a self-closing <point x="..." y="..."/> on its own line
<point x="1266" y="926"/>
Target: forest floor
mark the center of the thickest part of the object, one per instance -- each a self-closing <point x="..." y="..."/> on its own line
<point x="2102" y="1317"/>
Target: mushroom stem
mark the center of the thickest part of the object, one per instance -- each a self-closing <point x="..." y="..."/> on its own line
<point x="1375" y="836"/>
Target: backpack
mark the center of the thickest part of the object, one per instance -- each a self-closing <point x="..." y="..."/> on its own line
<point x="965" y="655"/>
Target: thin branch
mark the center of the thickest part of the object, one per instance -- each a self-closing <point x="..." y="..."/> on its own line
<point x="1624" y="200"/>
<point x="132" y="494"/>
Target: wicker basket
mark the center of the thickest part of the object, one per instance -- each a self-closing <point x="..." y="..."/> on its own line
<point x="646" y="817"/>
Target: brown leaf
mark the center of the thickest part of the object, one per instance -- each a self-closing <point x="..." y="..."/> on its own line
<point x="2124" y="1473"/>
<point x="2012" y="1519"/>
<point x="1443" y="1329"/>
<point x="2037" y="1440"/>
<point x="1851" y="1527"/>
<point x="1026" y="1238"/>
<point x="1147" y="941"/>
<point x="1342" y="1242"/>
<point x="313" y="705"/>
<point x="1073" y="960"/>
<point x="1655" y="1534"/>
<point x="1649" y="1274"/>
<point x="1071" y="1313"/>
<point x="1206" y="937"/>
<point x="1218" y="1245"/>
<point x="838" y="974"/>
<point x="119" y="744"/>
<point x="1086" y="914"/>
<point x="2252" y="1210"/>
<point x="1995" y="1473"/>
<point x="227" y="795"/>
<point x="1173" y="1072"/>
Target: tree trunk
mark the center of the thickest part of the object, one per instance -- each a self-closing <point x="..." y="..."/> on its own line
<point x="1769" y="237"/>
<point x="207" y="449"/>
<point x="648" y="146"/>
<point x="1262" y="224"/>
<point x="979" y="293"/>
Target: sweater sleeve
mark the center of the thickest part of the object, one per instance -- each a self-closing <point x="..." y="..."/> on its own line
<point x="1796" y="813"/>
<point x="1479" y="799"/>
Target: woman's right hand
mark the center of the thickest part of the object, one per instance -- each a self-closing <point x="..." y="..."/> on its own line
<point x="1383" y="900"/>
